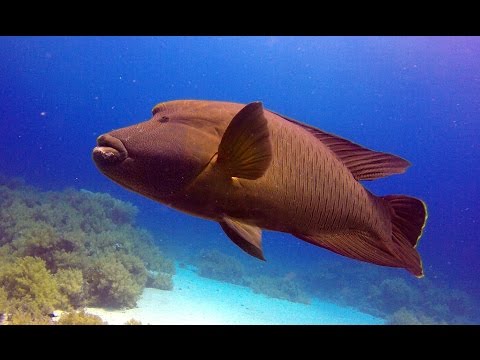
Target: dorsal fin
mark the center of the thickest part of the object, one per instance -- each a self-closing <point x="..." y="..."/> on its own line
<point x="364" y="164"/>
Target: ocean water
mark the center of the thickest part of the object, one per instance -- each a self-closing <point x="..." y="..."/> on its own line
<point x="416" y="97"/>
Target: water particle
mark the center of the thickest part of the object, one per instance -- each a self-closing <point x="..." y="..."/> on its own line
<point x="43" y="113"/>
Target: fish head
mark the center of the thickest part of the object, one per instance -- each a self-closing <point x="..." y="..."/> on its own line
<point x="163" y="155"/>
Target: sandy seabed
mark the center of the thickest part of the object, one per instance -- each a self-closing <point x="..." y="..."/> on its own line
<point x="197" y="300"/>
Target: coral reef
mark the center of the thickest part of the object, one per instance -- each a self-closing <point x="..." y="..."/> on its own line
<point x="391" y="294"/>
<point x="80" y="318"/>
<point x="133" y="322"/>
<point x="217" y="265"/>
<point x="69" y="249"/>
<point x="384" y="293"/>
<point x="31" y="289"/>
<point x="150" y="254"/>
<point x="279" y="287"/>
<point x="110" y="284"/>
<point x="3" y="301"/>
<point x="404" y="316"/>
<point x="70" y="284"/>
<point x="160" y="281"/>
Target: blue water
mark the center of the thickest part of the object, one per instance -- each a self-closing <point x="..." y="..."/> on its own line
<point x="417" y="97"/>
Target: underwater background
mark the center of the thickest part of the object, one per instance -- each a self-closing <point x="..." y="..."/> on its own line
<point x="416" y="97"/>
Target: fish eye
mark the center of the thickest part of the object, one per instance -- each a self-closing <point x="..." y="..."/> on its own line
<point x="164" y="119"/>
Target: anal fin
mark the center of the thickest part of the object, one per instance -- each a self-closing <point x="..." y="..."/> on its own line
<point x="246" y="237"/>
<point x="355" y="244"/>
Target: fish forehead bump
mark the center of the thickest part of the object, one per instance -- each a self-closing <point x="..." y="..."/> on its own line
<point x="187" y="107"/>
<point x="207" y="116"/>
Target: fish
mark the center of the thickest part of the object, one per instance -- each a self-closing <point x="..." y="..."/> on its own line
<point x="252" y="169"/>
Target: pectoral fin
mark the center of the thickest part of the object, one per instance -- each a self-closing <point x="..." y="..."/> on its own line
<point x="247" y="237"/>
<point x="245" y="150"/>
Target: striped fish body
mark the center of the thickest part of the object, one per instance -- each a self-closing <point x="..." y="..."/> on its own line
<point x="251" y="169"/>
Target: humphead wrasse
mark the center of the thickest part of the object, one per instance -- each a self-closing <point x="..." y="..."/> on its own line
<point x="251" y="169"/>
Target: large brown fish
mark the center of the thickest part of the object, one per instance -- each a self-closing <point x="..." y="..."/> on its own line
<point x="251" y="169"/>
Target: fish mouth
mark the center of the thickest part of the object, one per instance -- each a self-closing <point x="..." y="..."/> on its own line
<point x="109" y="150"/>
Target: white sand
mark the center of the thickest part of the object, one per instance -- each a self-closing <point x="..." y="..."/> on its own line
<point x="198" y="300"/>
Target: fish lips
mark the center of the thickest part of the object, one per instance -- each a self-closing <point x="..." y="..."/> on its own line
<point x="109" y="151"/>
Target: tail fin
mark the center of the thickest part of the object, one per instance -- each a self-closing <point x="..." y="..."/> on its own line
<point x="409" y="216"/>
